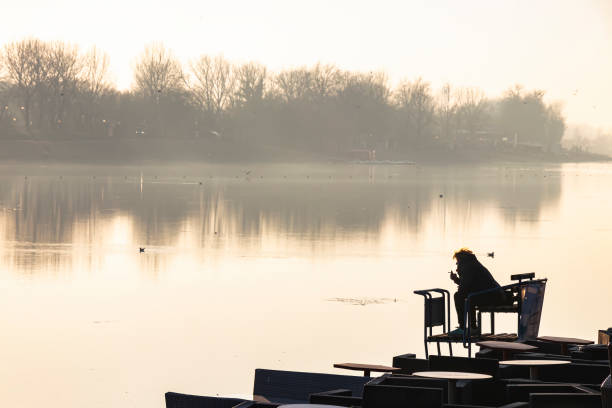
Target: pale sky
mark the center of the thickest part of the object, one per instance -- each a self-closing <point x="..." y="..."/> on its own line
<point x="556" y="45"/>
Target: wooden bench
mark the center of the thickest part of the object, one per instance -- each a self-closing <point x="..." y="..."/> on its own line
<point x="367" y="368"/>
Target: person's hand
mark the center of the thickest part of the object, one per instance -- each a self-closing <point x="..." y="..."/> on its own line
<point x="454" y="277"/>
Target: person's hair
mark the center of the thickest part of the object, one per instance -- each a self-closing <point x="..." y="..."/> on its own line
<point x="463" y="253"/>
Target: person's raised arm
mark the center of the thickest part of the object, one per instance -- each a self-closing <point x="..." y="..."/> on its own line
<point x="454" y="277"/>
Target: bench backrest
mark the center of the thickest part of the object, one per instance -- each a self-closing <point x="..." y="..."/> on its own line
<point x="575" y="373"/>
<point x="389" y="396"/>
<point x="419" y="382"/>
<point x="435" y="312"/>
<point x="531" y="303"/>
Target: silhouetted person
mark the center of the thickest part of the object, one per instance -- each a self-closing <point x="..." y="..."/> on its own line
<point x="472" y="277"/>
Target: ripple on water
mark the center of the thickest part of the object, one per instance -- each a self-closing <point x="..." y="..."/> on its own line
<point x="363" y="301"/>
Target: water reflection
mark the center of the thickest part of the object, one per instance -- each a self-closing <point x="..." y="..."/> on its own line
<point x="260" y="214"/>
<point x="281" y="269"/>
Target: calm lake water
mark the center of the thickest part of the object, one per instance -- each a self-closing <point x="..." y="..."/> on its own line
<point x="290" y="267"/>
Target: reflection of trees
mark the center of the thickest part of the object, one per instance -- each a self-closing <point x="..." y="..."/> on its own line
<point x="77" y="210"/>
<point x="527" y="192"/>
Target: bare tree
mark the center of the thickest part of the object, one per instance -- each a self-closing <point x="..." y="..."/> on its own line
<point x="4" y="93"/>
<point x="416" y="102"/>
<point x="471" y="108"/>
<point x="94" y="83"/>
<point x="215" y="83"/>
<point x="293" y="84"/>
<point x="316" y="84"/>
<point x="63" y="67"/>
<point x="326" y="81"/>
<point x="524" y="115"/>
<point x="447" y="111"/>
<point x="158" y="77"/>
<point x="363" y="115"/>
<point x="95" y="72"/>
<point x="371" y="85"/>
<point x="251" y="81"/>
<point x="158" y="72"/>
<point x="23" y="64"/>
<point x="4" y="100"/>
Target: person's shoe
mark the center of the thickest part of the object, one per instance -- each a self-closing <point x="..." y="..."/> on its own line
<point x="458" y="332"/>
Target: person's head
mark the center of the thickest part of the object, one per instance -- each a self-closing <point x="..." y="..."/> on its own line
<point x="463" y="256"/>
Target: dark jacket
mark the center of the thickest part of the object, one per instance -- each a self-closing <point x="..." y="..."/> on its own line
<point x="474" y="277"/>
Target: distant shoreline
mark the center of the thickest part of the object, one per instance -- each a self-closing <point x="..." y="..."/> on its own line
<point x="169" y="151"/>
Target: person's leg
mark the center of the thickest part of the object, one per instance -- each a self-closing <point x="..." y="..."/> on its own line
<point x="460" y="307"/>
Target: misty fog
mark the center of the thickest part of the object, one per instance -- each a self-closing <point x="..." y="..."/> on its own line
<point x="58" y="104"/>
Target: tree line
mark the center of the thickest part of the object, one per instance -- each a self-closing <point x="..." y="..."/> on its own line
<point x="54" y="90"/>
